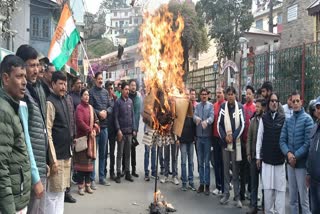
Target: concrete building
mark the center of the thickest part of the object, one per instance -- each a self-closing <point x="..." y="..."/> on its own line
<point x="124" y="20"/>
<point x="261" y="12"/>
<point x="298" y="27"/>
<point x="314" y="11"/>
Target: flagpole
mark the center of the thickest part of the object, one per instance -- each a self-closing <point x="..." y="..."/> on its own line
<point x="86" y="56"/>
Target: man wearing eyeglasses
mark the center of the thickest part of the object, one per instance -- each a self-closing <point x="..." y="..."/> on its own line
<point x="294" y="143"/>
<point x="203" y="117"/>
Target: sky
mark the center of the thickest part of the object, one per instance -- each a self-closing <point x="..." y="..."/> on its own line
<point x="93" y="6"/>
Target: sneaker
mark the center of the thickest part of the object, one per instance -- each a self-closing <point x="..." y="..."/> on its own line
<point x="184" y="187"/>
<point x="239" y="204"/>
<point x="128" y="177"/>
<point x="118" y="179"/>
<point x="154" y="177"/>
<point x="164" y="180"/>
<point x="134" y="174"/>
<point x="216" y="192"/>
<point x="176" y="181"/>
<point x="81" y="191"/>
<point x="191" y="186"/>
<point x="146" y="178"/>
<point x="93" y="185"/>
<point x="104" y="182"/>
<point x="224" y="199"/>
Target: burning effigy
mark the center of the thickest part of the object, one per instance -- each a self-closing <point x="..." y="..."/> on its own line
<point x="165" y="106"/>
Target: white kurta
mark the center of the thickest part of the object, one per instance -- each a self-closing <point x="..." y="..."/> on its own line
<point x="273" y="176"/>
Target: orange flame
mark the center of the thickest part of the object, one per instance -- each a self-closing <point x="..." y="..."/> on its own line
<point x="162" y="53"/>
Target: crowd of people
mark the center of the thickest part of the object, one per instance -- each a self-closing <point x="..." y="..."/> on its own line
<point x="51" y="135"/>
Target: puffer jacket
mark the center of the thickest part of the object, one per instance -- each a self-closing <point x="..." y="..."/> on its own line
<point x="15" y="175"/>
<point x="38" y="132"/>
<point x="313" y="161"/>
<point x="99" y="99"/>
<point x="295" y="136"/>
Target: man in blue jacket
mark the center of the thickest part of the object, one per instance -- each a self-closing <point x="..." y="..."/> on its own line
<point x="203" y="117"/>
<point x="313" y="169"/>
<point x="294" y="144"/>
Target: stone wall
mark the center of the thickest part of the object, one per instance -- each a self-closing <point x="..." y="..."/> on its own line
<point x="298" y="31"/>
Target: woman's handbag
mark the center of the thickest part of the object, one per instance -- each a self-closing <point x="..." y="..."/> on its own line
<point x="81" y="144"/>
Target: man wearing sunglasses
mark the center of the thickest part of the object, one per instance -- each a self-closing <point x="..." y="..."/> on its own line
<point x="294" y="143"/>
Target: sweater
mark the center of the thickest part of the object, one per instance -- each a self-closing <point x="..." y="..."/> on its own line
<point x="188" y="132"/>
<point x="136" y="99"/>
<point x="236" y="132"/>
<point x="249" y="109"/>
<point x="204" y="111"/>
<point x="14" y="158"/>
<point x="295" y="136"/>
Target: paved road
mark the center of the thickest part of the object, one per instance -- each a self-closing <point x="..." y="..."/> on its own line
<point x="134" y="198"/>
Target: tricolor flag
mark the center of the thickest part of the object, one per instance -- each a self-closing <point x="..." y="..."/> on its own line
<point x="65" y="39"/>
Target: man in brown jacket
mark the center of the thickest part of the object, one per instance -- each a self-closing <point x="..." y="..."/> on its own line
<point x="251" y="154"/>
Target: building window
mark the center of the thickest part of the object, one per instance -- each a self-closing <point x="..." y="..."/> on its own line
<point x="292" y="13"/>
<point x="40" y="27"/>
<point x="116" y="24"/>
<point x="130" y="21"/>
<point x="126" y="13"/>
<point x="279" y="18"/>
<point x="136" y="21"/>
<point x="115" y="13"/>
<point x="259" y="24"/>
<point x="121" y="23"/>
<point x="318" y="28"/>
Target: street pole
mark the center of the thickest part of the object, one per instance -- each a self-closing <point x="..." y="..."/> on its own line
<point x="271" y="16"/>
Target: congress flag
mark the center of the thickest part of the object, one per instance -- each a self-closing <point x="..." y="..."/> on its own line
<point x="65" y="39"/>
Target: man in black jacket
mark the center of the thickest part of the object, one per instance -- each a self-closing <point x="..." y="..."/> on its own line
<point x="125" y="128"/>
<point x="313" y="169"/>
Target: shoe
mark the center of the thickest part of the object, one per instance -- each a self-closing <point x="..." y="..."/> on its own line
<point x="200" y="189"/>
<point x="191" y="186"/>
<point x="176" y="181"/>
<point x="242" y="197"/>
<point x="81" y="191"/>
<point x="74" y="179"/>
<point x="215" y="192"/>
<point x="118" y="179"/>
<point x="146" y="178"/>
<point x="162" y="172"/>
<point x="224" y="199"/>
<point x="135" y="174"/>
<point x="154" y="177"/>
<point x="93" y="185"/>
<point x="128" y="177"/>
<point x="252" y="210"/>
<point x="230" y="186"/>
<point x="104" y="182"/>
<point x="69" y="199"/>
<point x="88" y="189"/>
<point x="112" y="176"/>
<point x="207" y="190"/>
<point x="122" y="174"/>
<point x="184" y="187"/>
<point x="238" y="204"/>
<point x="164" y="180"/>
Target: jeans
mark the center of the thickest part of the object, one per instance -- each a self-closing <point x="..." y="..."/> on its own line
<point x="204" y="149"/>
<point x="297" y="184"/>
<point x="173" y="159"/>
<point x="254" y="176"/>
<point x="101" y="140"/>
<point x="153" y="159"/>
<point x="187" y="150"/>
<point x="124" y="148"/>
<point x="227" y="157"/>
<point x="315" y="196"/>
<point x="218" y="163"/>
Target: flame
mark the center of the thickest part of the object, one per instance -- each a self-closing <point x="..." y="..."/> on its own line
<point x="162" y="59"/>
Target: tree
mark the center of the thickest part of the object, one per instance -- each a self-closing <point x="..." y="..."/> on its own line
<point x="194" y="36"/>
<point x="228" y="20"/>
<point x="95" y="25"/>
<point x="100" y="47"/>
<point x="112" y="4"/>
